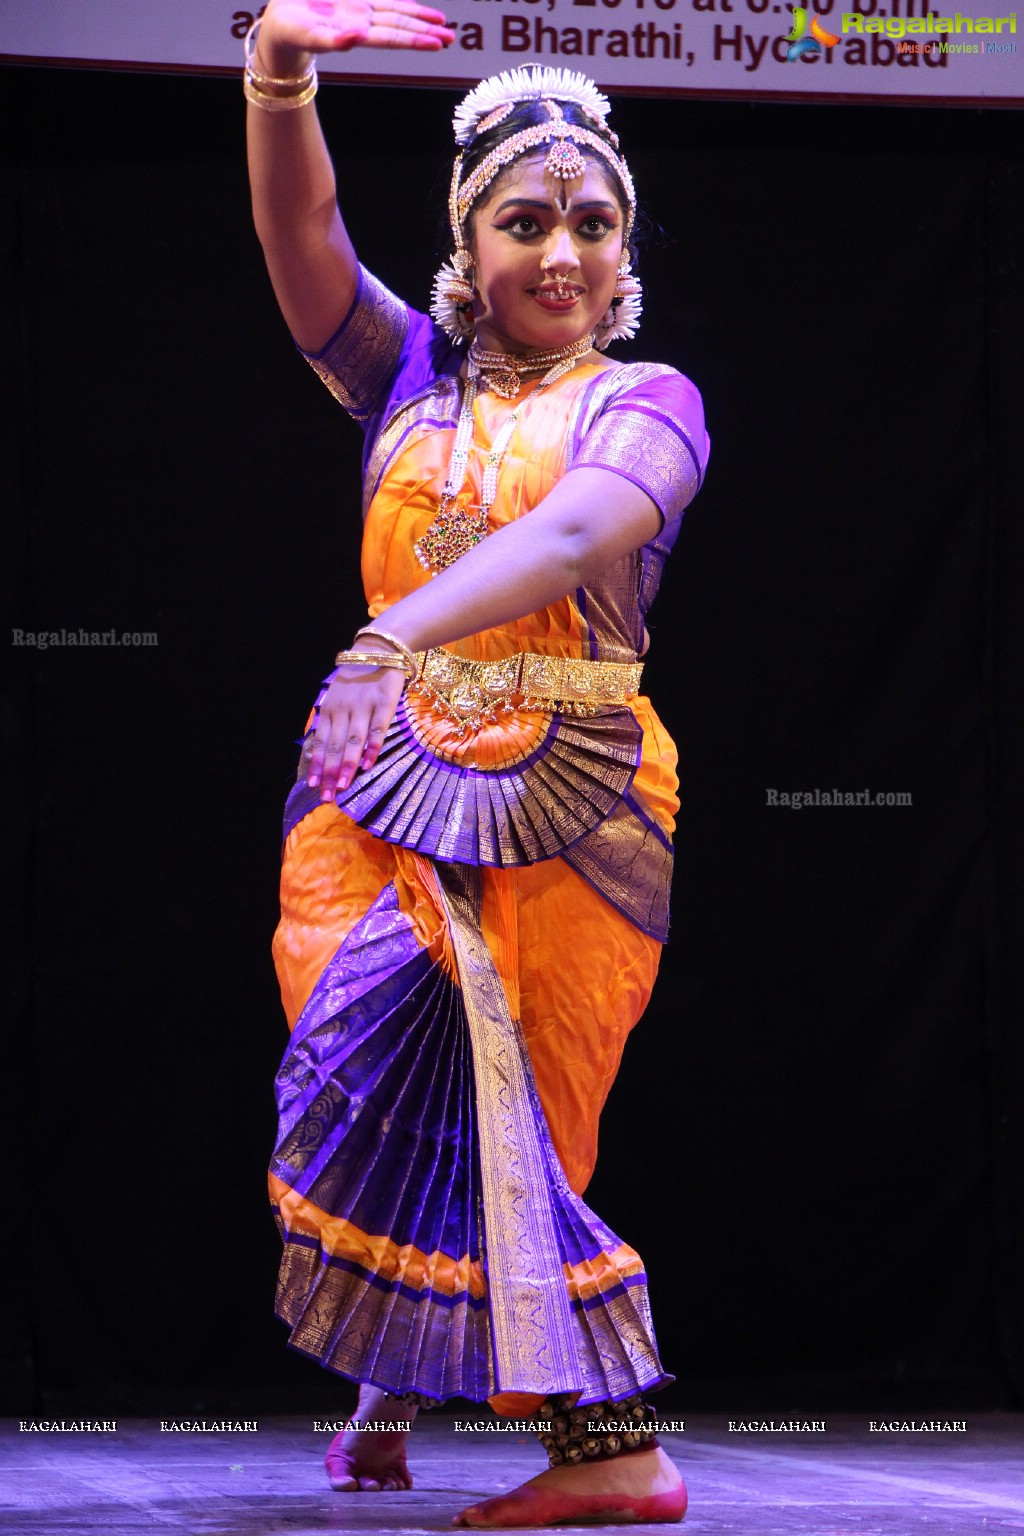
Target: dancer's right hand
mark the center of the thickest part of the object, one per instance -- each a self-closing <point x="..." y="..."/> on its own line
<point x="355" y="712"/>
<point x="291" y="28"/>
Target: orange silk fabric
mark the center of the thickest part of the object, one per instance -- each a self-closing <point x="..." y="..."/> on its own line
<point x="407" y="502"/>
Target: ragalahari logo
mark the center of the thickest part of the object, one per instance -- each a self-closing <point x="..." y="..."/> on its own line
<point x="799" y="41"/>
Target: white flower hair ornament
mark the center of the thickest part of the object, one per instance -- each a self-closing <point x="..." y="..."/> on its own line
<point x="487" y="105"/>
<point x="503" y="93"/>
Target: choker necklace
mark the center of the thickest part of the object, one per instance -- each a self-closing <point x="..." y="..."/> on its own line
<point x="454" y="532"/>
<point x="503" y="372"/>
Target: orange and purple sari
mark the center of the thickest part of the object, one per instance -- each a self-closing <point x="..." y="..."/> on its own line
<point x="470" y="932"/>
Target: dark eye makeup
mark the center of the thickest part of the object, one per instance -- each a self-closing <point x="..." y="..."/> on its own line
<point x="524" y="226"/>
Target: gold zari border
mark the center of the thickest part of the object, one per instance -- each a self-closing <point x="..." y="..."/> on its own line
<point x="531" y="1316"/>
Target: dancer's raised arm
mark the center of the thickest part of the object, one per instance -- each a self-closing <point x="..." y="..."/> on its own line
<point x="309" y="255"/>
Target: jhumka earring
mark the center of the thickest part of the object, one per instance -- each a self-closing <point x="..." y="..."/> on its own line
<point x="621" y="320"/>
<point x="451" y="301"/>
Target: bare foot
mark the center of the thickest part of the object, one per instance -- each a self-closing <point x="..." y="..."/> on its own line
<point x="642" y="1486"/>
<point x="371" y="1459"/>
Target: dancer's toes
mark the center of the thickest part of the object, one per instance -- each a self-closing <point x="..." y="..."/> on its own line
<point x="347" y="1472"/>
<point x="342" y="1482"/>
<point x="391" y="1480"/>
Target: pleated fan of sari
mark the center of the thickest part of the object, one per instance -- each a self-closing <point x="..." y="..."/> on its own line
<point x="390" y="1271"/>
<point x="527" y="808"/>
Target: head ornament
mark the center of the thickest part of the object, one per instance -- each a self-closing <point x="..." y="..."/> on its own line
<point x="508" y="90"/>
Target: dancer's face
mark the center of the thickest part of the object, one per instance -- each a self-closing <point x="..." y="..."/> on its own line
<point x="531" y="230"/>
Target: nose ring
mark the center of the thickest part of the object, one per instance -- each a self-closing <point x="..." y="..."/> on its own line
<point x="563" y="289"/>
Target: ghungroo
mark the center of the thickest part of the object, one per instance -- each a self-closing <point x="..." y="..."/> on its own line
<point x="411" y="1399"/>
<point x="594" y="1431"/>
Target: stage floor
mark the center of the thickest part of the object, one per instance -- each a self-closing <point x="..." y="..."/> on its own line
<point x="847" y="1481"/>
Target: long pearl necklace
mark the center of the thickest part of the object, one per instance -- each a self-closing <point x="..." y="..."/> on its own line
<point x="453" y="532"/>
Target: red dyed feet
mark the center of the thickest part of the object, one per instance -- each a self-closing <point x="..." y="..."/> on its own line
<point x="559" y="1506"/>
<point x="349" y="1471"/>
<point x="370" y="1456"/>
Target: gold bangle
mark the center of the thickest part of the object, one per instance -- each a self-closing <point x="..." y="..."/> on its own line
<point x="278" y="103"/>
<point x="257" y="76"/>
<point x="371" y="659"/>
<point x="409" y="658"/>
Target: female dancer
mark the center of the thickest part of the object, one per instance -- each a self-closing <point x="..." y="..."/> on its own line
<point x="478" y="845"/>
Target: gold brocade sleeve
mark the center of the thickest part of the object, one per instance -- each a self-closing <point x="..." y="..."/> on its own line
<point x="647" y="425"/>
<point x="364" y="351"/>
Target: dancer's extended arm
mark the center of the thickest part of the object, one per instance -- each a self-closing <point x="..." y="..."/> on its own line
<point x="309" y="255"/>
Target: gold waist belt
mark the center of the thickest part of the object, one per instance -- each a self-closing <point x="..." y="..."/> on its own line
<point x="472" y="692"/>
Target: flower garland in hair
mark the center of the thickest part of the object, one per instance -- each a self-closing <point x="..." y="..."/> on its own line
<point x="531" y="83"/>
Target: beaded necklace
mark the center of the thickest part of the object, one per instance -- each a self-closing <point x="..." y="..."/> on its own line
<point x="454" y="532"/>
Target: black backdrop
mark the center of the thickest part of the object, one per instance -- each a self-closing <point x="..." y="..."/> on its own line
<point x="815" y="1140"/>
